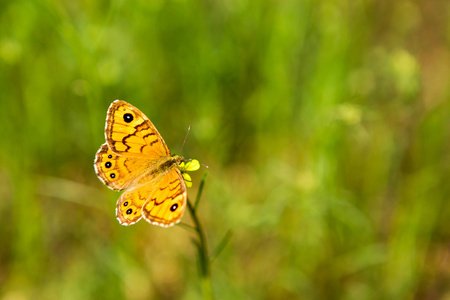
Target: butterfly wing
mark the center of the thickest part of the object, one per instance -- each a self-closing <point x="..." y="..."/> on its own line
<point x="167" y="203"/>
<point x="129" y="132"/>
<point x="129" y="205"/>
<point x="119" y="172"/>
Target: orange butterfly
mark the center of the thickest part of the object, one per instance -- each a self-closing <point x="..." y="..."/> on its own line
<point x="136" y="159"/>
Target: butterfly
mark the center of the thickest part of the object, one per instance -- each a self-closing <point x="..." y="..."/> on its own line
<point x="136" y="159"/>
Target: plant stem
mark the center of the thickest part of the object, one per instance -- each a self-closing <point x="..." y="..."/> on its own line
<point x="206" y="288"/>
<point x="202" y="255"/>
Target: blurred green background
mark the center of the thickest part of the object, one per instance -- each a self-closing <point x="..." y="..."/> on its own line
<point x="325" y="125"/>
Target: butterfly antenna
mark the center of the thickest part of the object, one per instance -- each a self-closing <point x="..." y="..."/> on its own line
<point x="185" y="138"/>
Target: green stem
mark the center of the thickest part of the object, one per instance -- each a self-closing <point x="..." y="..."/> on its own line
<point x="202" y="254"/>
<point x="206" y="288"/>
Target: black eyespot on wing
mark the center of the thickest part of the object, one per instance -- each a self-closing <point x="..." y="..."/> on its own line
<point x="125" y="203"/>
<point x="128" y="117"/>
<point x="129" y="211"/>
<point x="108" y="164"/>
<point x="112" y="175"/>
<point x="173" y="207"/>
<point x="110" y="156"/>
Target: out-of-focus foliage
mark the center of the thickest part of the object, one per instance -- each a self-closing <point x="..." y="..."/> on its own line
<point x="325" y="125"/>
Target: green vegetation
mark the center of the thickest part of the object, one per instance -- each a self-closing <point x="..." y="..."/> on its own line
<point x="325" y="126"/>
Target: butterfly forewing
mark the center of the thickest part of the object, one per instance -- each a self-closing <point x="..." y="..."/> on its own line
<point x="129" y="132"/>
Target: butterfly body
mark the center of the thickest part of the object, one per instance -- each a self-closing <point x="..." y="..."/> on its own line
<point x="136" y="159"/>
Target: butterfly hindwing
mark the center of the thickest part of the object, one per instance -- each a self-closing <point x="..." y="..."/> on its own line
<point x="129" y="205"/>
<point x="167" y="203"/>
<point x="116" y="171"/>
<point x="129" y="132"/>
